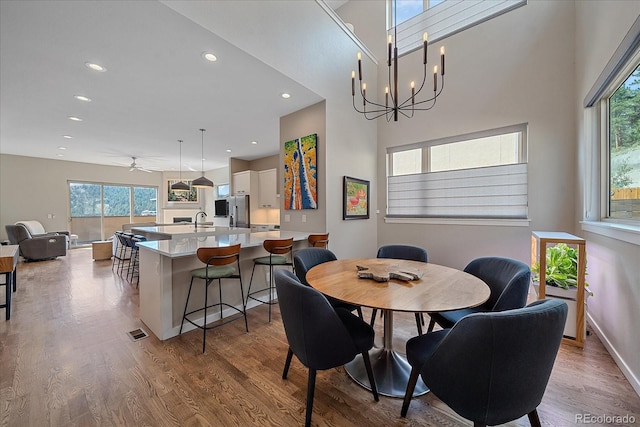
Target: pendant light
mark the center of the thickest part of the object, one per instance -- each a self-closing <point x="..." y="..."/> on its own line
<point x="202" y="182"/>
<point x="180" y="186"/>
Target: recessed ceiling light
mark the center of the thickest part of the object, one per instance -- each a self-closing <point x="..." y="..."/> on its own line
<point x="254" y="142"/>
<point x="75" y="119"/>
<point x="62" y="148"/>
<point x="67" y="136"/>
<point x="209" y="56"/>
<point x="82" y="98"/>
<point x="60" y="155"/>
<point x="228" y="151"/>
<point x="286" y="95"/>
<point x="95" y="67"/>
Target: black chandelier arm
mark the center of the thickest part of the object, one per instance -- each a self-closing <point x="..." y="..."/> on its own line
<point x="365" y="111"/>
<point x="422" y="108"/>
<point x="367" y="101"/>
<point x="425" y="100"/>
<point x="416" y="93"/>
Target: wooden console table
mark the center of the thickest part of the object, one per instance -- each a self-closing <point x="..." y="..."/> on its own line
<point x="8" y="262"/>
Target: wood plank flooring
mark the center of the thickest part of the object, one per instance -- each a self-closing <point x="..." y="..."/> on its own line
<point x="66" y="360"/>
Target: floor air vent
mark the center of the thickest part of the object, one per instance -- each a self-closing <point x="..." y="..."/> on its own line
<point x="137" y="334"/>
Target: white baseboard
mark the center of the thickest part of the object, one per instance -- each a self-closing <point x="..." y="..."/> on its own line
<point x="626" y="371"/>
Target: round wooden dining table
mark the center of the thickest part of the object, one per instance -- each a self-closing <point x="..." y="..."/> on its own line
<point x="439" y="288"/>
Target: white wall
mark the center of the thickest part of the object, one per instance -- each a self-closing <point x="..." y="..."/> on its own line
<point x="612" y="265"/>
<point x="302" y="41"/>
<point x="516" y="68"/>
<point x="33" y="188"/>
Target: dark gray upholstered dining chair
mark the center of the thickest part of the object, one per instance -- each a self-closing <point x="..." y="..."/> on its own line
<point x="408" y="252"/>
<point x="335" y="340"/>
<point x="305" y="259"/>
<point x="508" y="280"/>
<point x="490" y="368"/>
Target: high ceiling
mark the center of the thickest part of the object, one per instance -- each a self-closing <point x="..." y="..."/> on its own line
<point x="157" y="87"/>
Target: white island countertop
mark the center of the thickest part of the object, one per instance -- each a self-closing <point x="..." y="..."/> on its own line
<point x="168" y="232"/>
<point x="188" y="245"/>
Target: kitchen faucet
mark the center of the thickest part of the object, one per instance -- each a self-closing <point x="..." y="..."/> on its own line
<point x="203" y="213"/>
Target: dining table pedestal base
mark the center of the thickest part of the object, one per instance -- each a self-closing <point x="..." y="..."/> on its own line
<point x="391" y="371"/>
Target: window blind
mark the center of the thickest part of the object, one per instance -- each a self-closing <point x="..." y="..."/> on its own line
<point x="488" y="192"/>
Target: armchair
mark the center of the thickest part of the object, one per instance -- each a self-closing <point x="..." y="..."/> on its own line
<point x="36" y="247"/>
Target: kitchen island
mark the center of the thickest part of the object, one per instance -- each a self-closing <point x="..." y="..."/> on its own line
<point x="165" y="273"/>
<point x="178" y="231"/>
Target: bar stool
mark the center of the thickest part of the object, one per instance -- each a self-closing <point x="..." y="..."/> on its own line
<point x="319" y="240"/>
<point x="125" y="253"/>
<point x="134" y="263"/>
<point x="218" y="266"/>
<point x="117" y="253"/>
<point x="278" y="249"/>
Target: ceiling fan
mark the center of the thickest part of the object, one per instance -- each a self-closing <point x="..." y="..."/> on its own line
<point x="134" y="166"/>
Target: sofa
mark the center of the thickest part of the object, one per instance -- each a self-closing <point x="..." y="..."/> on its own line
<point x="35" y="243"/>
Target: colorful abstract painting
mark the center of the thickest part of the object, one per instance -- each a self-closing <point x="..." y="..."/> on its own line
<point x="300" y="173"/>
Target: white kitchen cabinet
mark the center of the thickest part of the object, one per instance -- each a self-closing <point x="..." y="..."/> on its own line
<point x="245" y="183"/>
<point x="268" y="185"/>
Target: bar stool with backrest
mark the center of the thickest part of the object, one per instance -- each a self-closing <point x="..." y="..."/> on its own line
<point x="219" y="265"/>
<point x="278" y="250"/>
<point x="134" y="262"/>
<point x="319" y="240"/>
<point x="125" y="258"/>
<point x="116" y="252"/>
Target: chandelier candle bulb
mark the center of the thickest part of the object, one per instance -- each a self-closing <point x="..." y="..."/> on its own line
<point x="425" y="37"/>
<point x="386" y="96"/>
<point x="413" y="92"/>
<point x="442" y="60"/>
<point x="359" y="66"/>
<point x="364" y="94"/>
<point x="390" y="38"/>
<point x="435" y="78"/>
<point x="353" y="83"/>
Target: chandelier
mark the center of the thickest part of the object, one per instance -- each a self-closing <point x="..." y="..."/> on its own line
<point x="392" y="104"/>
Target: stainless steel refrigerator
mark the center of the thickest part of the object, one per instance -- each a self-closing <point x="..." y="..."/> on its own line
<point x="239" y="211"/>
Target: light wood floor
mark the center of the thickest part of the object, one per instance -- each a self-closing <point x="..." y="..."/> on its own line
<point x="66" y="360"/>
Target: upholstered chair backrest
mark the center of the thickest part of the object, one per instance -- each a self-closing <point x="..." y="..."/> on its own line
<point x="34" y="227"/>
<point x="507" y="278"/>
<point x="305" y="259"/>
<point x="494" y="367"/>
<point x="315" y="332"/>
<point x="17" y="233"/>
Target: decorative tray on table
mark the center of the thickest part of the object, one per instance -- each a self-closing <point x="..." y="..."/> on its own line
<point x="383" y="274"/>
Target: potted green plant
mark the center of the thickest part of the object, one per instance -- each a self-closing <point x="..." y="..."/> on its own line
<point x="561" y="268"/>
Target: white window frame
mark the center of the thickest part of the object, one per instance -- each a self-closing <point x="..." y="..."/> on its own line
<point x="445" y="19"/>
<point x="605" y="143"/>
<point x="423" y="178"/>
<point x="596" y="197"/>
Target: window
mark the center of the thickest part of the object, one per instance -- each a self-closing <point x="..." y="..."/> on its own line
<point x="145" y="201"/>
<point x="440" y="18"/>
<point x="481" y="175"/>
<point x="222" y="190"/>
<point x="624" y="149"/>
<point x="97" y="210"/>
